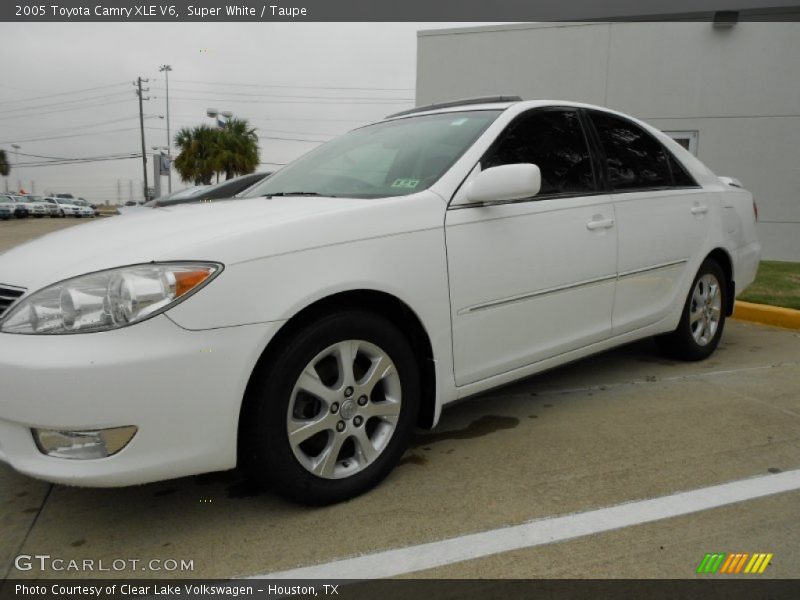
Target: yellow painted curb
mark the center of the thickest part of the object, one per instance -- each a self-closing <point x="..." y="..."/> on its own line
<point x="768" y="315"/>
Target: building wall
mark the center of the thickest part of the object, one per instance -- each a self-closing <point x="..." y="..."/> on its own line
<point x="739" y="88"/>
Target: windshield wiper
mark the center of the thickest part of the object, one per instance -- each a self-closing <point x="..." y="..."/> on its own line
<point x="277" y="194"/>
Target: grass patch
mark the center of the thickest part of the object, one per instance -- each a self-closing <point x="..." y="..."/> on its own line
<point x="777" y="283"/>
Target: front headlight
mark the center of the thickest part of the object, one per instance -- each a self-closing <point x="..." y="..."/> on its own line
<point x="108" y="299"/>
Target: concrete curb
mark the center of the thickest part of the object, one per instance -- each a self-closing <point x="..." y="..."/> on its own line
<point x="767" y="315"/>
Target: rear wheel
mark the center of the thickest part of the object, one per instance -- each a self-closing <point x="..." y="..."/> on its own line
<point x="703" y="317"/>
<point x="332" y="414"/>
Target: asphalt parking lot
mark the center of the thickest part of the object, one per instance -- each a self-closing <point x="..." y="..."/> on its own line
<point x="17" y="231"/>
<point x="622" y="427"/>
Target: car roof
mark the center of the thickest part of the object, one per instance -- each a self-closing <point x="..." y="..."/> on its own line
<point x="494" y="103"/>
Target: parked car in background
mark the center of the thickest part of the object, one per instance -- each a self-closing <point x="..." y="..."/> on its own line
<point x="29" y="208"/>
<point x="6" y="208"/>
<point x="20" y="211"/>
<point x="85" y="204"/>
<point x="184" y="193"/>
<point x="64" y="206"/>
<point x="51" y="210"/>
<point x="86" y="211"/>
<point x="306" y="331"/>
<point x="224" y="189"/>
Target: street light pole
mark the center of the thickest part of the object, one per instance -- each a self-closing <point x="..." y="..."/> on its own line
<point x="166" y="69"/>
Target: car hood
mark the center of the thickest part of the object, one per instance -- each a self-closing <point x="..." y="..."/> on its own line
<point x="227" y="231"/>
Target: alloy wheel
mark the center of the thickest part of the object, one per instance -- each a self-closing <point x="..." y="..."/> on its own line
<point x="344" y="409"/>
<point x="706" y="309"/>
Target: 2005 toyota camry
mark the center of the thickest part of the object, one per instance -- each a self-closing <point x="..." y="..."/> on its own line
<point x="304" y="332"/>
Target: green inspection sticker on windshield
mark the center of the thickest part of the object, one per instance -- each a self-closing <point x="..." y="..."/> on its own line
<point x="405" y="183"/>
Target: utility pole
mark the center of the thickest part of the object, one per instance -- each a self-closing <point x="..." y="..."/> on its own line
<point x="119" y="192"/>
<point x="166" y="69"/>
<point x="130" y="189"/>
<point x="139" y="91"/>
<point x="16" y="148"/>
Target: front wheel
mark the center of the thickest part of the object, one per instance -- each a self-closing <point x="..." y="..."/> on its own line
<point x="331" y="415"/>
<point x="703" y="317"/>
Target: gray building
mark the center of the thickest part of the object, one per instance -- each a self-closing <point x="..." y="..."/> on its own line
<point x="730" y="94"/>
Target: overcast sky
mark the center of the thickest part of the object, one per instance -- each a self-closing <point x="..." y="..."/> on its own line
<point x="228" y="66"/>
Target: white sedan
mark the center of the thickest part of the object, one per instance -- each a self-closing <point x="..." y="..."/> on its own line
<point x="33" y="208"/>
<point x="305" y="332"/>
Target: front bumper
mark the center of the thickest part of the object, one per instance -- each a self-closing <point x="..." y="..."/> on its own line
<point x="182" y="389"/>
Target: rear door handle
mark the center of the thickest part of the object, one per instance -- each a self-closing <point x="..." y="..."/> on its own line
<point x="599" y="224"/>
<point x="699" y="209"/>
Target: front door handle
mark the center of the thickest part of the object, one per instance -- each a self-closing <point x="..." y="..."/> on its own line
<point x="699" y="209"/>
<point x="599" y="224"/>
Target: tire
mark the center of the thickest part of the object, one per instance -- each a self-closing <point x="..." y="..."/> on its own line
<point x="703" y="317"/>
<point x="361" y="433"/>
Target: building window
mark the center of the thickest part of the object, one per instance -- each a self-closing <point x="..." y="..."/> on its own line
<point x="687" y="139"/>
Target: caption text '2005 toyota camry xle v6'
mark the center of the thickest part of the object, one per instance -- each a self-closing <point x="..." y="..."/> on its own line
<point x="304" y="331"/>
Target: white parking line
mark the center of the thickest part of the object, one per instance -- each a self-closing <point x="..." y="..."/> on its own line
<point x="390" y="563"/>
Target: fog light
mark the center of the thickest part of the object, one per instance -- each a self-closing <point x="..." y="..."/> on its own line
<point x="83" y="445"/>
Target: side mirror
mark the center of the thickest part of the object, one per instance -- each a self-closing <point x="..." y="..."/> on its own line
<point x="506" y="182"/>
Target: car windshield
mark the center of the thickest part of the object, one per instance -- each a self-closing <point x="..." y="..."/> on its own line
<point x="392" y="158"/>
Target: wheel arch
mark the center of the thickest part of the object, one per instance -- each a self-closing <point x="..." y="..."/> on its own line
<point x="381" y="303"/>
<point x="723" y="259"/>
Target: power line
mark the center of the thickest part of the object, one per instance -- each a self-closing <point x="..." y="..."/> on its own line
<point x="49" y="112"/>
<point x="298" y="87"/>
<point x="216" y="93"/>
<point x="76" y="162"/>
<point x="301" y="132"/>
<point x="78" y="127"/>
<point x="344" y="102"/>
<point x="288" y="139"/>
<point x="75" y="135"/>
<point x="288" y="119"/>
<point x="91" y="89"/>
<point x="63" y="103"/>
<point x="73" y="157"/>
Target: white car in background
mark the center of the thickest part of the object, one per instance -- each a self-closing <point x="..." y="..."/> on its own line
<point x="306" y="331"/>
<point x="6" y="208"/>
<point x="65" y="207"/>
<point x="86" y="210"/>
<point x="84" y="204"/>
<point x="35" y="209"/>
<point x="51" y="210"/>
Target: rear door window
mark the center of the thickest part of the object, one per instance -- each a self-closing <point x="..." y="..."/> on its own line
<point x="634" y="158"/>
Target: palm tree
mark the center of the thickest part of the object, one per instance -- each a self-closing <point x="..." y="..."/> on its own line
<point x="5" y="167"/>
<point x="237" y="150"/>
<point x="198" y="159"/>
